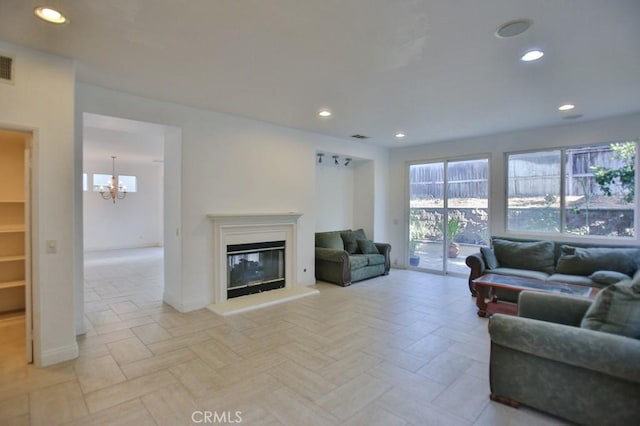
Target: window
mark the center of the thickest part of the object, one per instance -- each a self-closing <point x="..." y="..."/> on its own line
<point x="534" y="191"/>
<point x="579" y="191"/>
<point x="100" y="180"/>
<point x="129" y="182"/>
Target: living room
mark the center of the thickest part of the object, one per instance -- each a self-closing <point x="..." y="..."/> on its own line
<point x="221" y="163"/>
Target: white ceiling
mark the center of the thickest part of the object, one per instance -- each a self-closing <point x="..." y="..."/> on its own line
<point x="433" y="69"/>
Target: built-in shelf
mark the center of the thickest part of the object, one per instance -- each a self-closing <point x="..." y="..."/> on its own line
<point x="11" y="284"/>
<point x="11" y="228"/>
<point x="11" y="258"/>
<point x="13" y="209"/>
<point x="17" y="315"/>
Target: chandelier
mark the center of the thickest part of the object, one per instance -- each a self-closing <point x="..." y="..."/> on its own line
<point x="115" y="189"/>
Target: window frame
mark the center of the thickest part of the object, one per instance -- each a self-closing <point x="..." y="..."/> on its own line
<point x="446" y="269"/>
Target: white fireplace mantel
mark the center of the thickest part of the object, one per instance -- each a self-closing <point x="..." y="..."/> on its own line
<point x="242" y="217"/>
<point x="245" y="228"/>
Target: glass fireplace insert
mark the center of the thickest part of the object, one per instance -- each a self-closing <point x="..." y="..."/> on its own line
<point x="255" y="267"/>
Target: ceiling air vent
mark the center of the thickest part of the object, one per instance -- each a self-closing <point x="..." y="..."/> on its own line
<point x="6" y="68"/>
<point x="359" y="136"/>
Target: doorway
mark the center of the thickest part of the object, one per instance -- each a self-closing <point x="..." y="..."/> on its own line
<point x="15" y="249"/>
<point x="122" y="223"/>
<point x="448" y="213"/>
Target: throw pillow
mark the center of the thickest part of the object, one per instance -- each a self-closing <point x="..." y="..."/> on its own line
<point x="350" y="241"/>
<point x="586" y="261"/>
<point x="331" y="240"/>
<point x="360" y="235"/>
<point x="608" y="277"/>
<point x="489" y="258"/>
<point x="533" y="255"/>
<point x="367" y="247"/>
<point x="616" y="309"/>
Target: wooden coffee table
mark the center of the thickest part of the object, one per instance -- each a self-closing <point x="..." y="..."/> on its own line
<point x="518" y="284"/>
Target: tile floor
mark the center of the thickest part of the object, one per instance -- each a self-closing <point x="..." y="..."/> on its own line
<point x="406" y="349"/>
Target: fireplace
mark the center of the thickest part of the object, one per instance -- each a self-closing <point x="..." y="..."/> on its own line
<point x="252" y="232"/>
<point x="265" y="245"/>
<point x="255" y="267"/>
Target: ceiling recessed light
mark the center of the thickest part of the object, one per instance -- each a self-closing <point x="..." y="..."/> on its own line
<point x="513" y="28"/>
<point x="324" y="113"/>
<point x="566" y="107"/>
<point x="50" y="15"/>
<point x="532" y="55"/>
<point x="400" y="135"/>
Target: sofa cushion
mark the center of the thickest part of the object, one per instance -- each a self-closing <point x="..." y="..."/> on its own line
<point x="616" y="309"/>
<point x="367" y="247"/>
<point x="375" y="259"/>
<point x="331" y="240"/>
<point x="489" y="258"/>
<point x="357" y="261"/>
<point x="586" y="261"/>
<point x="350" y="241"/>
<point x="608" y="277"/>
<point x="535" y="255"/>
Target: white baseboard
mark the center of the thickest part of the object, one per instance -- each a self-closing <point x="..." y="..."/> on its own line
<point x="126" y="247"/>
<point x="182" y="307"/>
<point x="56" y="355"/>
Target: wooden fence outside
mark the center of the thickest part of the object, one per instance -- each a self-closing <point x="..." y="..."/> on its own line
<point x="531" y="174"/>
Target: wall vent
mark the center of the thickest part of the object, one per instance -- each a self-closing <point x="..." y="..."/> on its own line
<point x="359" y="136"/>
<point x="6" y="68"/>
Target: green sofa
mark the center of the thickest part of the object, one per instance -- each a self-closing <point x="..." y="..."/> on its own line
<point x="345" y="257"/>
<point x="544" y="359"/>
<point x="593" y="265"/>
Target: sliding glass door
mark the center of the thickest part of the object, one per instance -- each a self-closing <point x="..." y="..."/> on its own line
<point x="448" y="213"/>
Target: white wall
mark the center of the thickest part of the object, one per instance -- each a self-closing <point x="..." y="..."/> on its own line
<point x="133" y="222"/>
<point x="494" y="147"/>
<point x="334" y="196"/>
<point x="41" y="101"/>
<point x="235" y="165"/>
<point x="364" y="212"/>
<point x="345" y="196"/>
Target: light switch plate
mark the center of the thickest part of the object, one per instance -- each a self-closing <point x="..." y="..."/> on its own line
<point x="51" y="246"/>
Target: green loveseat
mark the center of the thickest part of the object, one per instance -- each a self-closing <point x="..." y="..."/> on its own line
<point x="542" y="358"/>
<point x="344" y="257"/>
<point x="593" y="265"/>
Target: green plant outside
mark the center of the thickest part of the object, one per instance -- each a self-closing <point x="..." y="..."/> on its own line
<point x="454" y="224"/>
<point x="625" y="174"/>
<point x="417" y="231"/>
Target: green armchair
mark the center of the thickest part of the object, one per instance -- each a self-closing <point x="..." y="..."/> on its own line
<point x="543" y="359"/>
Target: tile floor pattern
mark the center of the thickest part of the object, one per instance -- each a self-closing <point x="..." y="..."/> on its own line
<point x="407" y="349"/>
